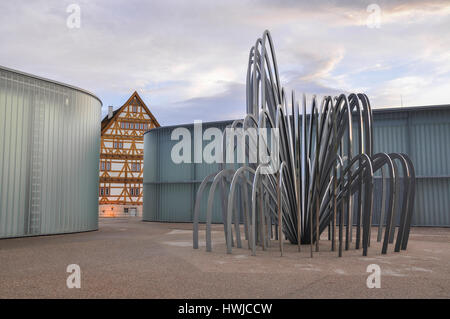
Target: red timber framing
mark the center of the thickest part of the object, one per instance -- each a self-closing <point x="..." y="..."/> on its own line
<point x="122" y="153"/>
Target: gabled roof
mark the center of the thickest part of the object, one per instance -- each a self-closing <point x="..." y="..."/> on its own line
<point x="106" y="121"/>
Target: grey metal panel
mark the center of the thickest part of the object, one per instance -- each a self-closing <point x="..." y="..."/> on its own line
<point x="169" y="188"/>
<point x="43" y="80"/>
<point x="49" y="143"/>
<point x="432" y="204"/>
<point x="424" y="135"/>
<point x="419" y="132"/>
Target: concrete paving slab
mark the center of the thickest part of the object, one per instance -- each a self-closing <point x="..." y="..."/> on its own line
<point x="128" y="258"/>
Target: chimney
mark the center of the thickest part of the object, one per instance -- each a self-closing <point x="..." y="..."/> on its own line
<point x="110" y="111"/>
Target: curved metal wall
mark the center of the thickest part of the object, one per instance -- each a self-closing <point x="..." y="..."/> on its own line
<point x="169" y="188"/>
<point x="421" y="132"/>
<point x="49" y="154"/>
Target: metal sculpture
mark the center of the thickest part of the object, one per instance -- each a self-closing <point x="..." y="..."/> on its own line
<point x="325" y="180"/>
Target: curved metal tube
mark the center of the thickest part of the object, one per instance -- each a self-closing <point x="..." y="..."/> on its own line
<point x="323" y="180"/>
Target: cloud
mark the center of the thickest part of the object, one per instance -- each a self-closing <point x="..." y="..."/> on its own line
<point x="228" y="105"/>
<point x="188" y="59"/>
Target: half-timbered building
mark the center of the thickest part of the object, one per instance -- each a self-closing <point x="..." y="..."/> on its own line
<point x="122" y="158"/>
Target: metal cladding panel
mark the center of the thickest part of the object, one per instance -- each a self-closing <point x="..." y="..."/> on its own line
<point x="49" y="143"/>
<point x="169" y="188"/>
<point x="421" y="133"/>
<point x="431" y="148"/>
<point x="424" y="135"/>
<point x="432" y="204"/>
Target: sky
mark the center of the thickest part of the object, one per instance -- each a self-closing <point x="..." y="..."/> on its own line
<point x="188" y="59"/>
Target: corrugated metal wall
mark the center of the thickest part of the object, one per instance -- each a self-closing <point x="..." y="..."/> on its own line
<point x="49" y="153"/>
<point x="422" y="133"/>
<point x="169" y="188"/>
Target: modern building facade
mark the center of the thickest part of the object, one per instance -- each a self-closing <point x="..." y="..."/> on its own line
<point x="49" y="150"/>
<point x="121" y="158"/>
<point x="169" y="188"/>
<point x="421" y="132"/>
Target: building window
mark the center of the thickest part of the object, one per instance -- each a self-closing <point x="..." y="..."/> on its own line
<point x="105" y="165"/>
<point x="118" y="144"/>
<point x="104" y="191"/>
<point x="135" y="108"/>
<point x="134" y="191"/>
<point x="135" y="167"/>
<point x="141" y="126"/>
<point x="122" y="124"/>
<point x="125" y="210"/>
